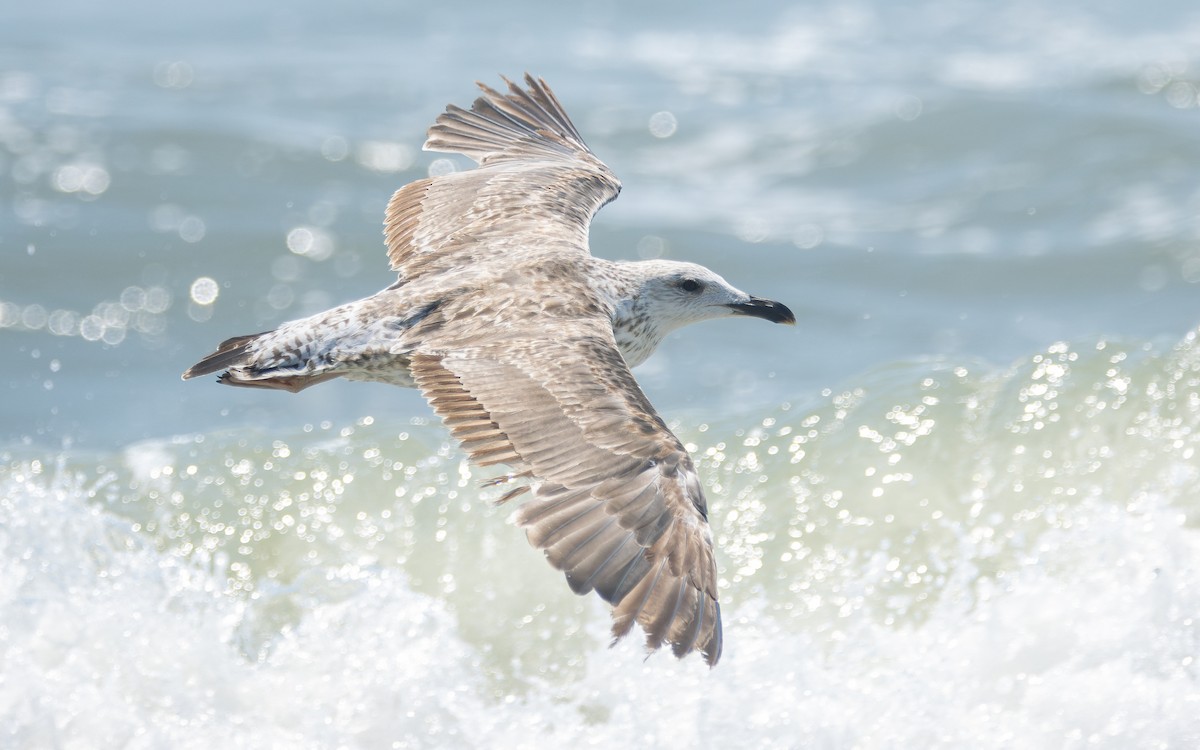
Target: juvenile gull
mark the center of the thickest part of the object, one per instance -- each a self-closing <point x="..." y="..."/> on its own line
<point x="522" y="343"/>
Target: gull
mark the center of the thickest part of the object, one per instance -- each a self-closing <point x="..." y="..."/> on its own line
<point x="522" y="342"/>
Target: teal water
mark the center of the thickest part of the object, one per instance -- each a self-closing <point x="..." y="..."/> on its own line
<point x="955" y="507"/>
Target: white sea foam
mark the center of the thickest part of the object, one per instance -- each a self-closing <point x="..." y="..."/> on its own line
<point x="111" y="643"/>
<point x="1028" y="576"/>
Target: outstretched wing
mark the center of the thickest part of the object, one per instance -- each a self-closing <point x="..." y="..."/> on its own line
<point x="537" y="183"/>
<point x="616" y="502"/>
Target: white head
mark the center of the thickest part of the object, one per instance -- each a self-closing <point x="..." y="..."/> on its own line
<point x="658" y="296"/>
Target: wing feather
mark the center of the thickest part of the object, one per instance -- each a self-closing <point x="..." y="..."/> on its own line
<point x="537" y="180"/>
<point x="616" y="503"/>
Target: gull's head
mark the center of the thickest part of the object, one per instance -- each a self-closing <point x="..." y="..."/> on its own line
<point x="664" y="295"/>
<point x="678" y="293"/>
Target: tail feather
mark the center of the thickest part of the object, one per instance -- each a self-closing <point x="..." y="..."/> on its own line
<point x="238" y="358"/>
<point x="362" y="340"/>
<point x="291" y="383"/>
<point x="230" y="353"/>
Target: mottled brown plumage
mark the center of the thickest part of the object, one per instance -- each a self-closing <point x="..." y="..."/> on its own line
<point x="521" y="140"/>
<point x="522" y="342"/>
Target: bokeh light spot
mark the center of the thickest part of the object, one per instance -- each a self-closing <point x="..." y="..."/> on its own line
<point x="663" y="124"/>
<point x="204" y="291"/>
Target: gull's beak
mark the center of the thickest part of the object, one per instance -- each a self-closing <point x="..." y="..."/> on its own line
<point x="776" y="312"/>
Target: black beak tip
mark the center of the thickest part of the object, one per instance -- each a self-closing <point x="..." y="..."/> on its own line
<point x="776" y="312"/>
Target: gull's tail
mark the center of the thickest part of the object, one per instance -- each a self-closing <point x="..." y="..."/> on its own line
<point x="272" y="359"/>
<point x="363" y="340"/>
<point x="232" y="352"/>
<point x="292" y="357"/>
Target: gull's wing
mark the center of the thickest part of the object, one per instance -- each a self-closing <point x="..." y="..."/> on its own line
<point x="616" y="501"/>
<point x="537" y="185"/>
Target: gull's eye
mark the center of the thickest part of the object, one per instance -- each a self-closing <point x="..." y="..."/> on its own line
<point x="690" y="285"/>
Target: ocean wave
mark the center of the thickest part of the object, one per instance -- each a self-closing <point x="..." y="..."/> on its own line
<point x="944" y="554"/>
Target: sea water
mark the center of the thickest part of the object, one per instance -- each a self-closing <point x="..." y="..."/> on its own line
<point x="956" y="506"/>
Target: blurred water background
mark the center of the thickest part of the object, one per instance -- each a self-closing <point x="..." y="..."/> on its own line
<point x="956" y="506"/>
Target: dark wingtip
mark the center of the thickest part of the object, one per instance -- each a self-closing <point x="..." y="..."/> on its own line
<point x="712" y="650"/>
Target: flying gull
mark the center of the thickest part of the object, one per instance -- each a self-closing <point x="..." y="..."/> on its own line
<point x="522" y="342"/>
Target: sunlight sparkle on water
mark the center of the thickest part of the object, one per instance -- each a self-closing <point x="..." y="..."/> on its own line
<point x="204" y="291"/>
